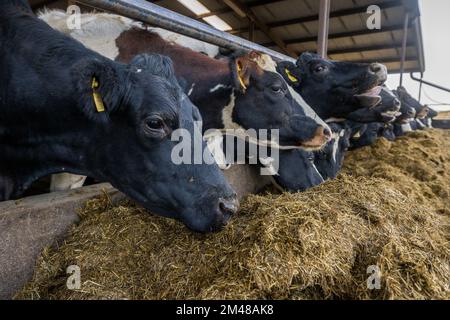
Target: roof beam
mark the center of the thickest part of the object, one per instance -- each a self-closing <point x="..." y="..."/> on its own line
<point x="368" y="48"/>
<point x="334" y="14"/>
<point x="250" y="4"/>
<point x="243" y="11"/>
<point x="385" y="60"/>
<point x="346" y="34"/>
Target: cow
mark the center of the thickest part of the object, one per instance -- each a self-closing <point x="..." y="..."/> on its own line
<point x="329" y="159"/>
<point x="370" y="132"/>
<point x="386" y="111"/>
<point x="334" y="89"/>
<point x="66" y="108"/>
<point x="408" y="100"/>
<point x="428" y="121"/>
<point x="231" y="93"/>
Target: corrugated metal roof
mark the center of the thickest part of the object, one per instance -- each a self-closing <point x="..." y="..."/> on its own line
<point x="296" y="23"/>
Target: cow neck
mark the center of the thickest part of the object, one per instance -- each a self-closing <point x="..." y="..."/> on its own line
<point x="208" y="81"/>
<point x="41" y="145"/>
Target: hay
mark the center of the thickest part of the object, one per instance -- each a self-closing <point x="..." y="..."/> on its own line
<point x="312" y="245"/>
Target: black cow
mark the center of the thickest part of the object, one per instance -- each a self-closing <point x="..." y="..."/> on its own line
<point x="370" y="132"/>
<point x="52" y="120"/>
<point x="386" y="111"/>
<point x="329" y="159"/>
<point x="333" y="88"/>
<point x="408" y="100"/>
<point x="428" y="121"/>
<point x="297" y="170"/>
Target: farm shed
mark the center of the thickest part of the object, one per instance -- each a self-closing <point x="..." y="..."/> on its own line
<point x="268" y="23"/>
<point x="292" y="27"/>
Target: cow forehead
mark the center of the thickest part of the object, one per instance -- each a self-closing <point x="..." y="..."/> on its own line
<point x="268" y="64"/>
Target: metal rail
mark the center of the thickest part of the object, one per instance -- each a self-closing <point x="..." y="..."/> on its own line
<point x="155" y="15"/>
<point x="429" y="83"/>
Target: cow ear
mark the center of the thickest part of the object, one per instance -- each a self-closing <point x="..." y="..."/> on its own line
<point x="290" y="73"/>
<point x="242" y="70"/>
<point x="100" y="86"/>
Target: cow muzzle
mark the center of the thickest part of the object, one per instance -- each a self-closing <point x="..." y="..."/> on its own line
<point x="379" y="70"/>
<point x="321" y="137"/>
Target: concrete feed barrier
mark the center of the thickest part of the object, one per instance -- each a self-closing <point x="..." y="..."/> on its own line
<point x="30" y="224"/>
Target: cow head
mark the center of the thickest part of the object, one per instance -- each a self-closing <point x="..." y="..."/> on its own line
<point x="334" y="88"/>
<point x="329" y="159"/>
<point x="386" y="111"/>
<point x="405" y="98"/>
<point x="131" y="145"/>
<point x="297" y="171"/>
<point x="263" y="101"/>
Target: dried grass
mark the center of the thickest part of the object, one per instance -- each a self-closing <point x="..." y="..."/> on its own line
<point x="389" y="208"/>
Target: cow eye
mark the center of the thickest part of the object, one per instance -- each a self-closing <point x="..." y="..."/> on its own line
<point x="154" y="126"/>
<point x="276" y="89"/>
<point x="319" y="68"/>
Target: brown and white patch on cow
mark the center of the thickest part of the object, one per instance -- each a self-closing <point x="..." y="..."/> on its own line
<point x="98" y="32"/>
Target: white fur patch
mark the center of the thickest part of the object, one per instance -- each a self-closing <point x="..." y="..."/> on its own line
<point x="218" y="87"/>
<point x="191" y="90"/>
<point x="214" y="144"/>
<point x="227" y="114"/>
<point x="406" y="127"/>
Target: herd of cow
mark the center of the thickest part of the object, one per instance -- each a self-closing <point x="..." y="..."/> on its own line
<point x="102" y="101"/>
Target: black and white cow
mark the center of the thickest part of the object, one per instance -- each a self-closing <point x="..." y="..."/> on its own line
<point x="244" y="91"/>
<point x="370" y="132"/>
<point x="334" y="89"/>
<point x="386" y="111"/>
<point x="65" y="108"/>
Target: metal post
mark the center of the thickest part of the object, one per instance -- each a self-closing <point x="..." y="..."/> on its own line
<point x="420" y="86"/>
<point x="251" y="31"/>
<point x="405" y="38"/>
<point x="324" y="23"/>
<point x="155" y="15"/>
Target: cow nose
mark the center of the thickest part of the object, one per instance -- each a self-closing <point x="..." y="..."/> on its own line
<point x="375" y="67"/>
<point x="327" y="133"/>
<point x="227" y="208"/>
<point x="397" y="103"/>
<point x="411" y="112"/>
<point x="380" y="70"/>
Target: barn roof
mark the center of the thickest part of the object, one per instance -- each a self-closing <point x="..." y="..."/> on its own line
<point x="291" y="27"/>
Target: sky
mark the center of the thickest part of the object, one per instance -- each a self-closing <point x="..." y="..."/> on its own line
<point x="435" y="18"/>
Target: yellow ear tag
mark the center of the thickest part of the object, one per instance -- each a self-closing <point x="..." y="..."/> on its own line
<point x="290" y="76"/>
<point x="97" y="97"/>
<point x="241" y="81"/>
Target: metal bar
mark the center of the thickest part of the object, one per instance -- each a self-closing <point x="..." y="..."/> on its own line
<point x="324" y="22"/>
<point x="155" y="15"/>
<point x="431" y="84"/>
<point x="418" y="29"/>
<point x="403" y="56"/>
<point x="420" y="86"/>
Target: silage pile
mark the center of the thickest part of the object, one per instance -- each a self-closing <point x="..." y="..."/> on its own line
<point x="315" y="244"/>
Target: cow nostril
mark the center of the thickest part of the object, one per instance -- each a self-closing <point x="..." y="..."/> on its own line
<point x="227" y="208"/>
<point x="375" y="67"/>
<point x="397" y="103"/>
